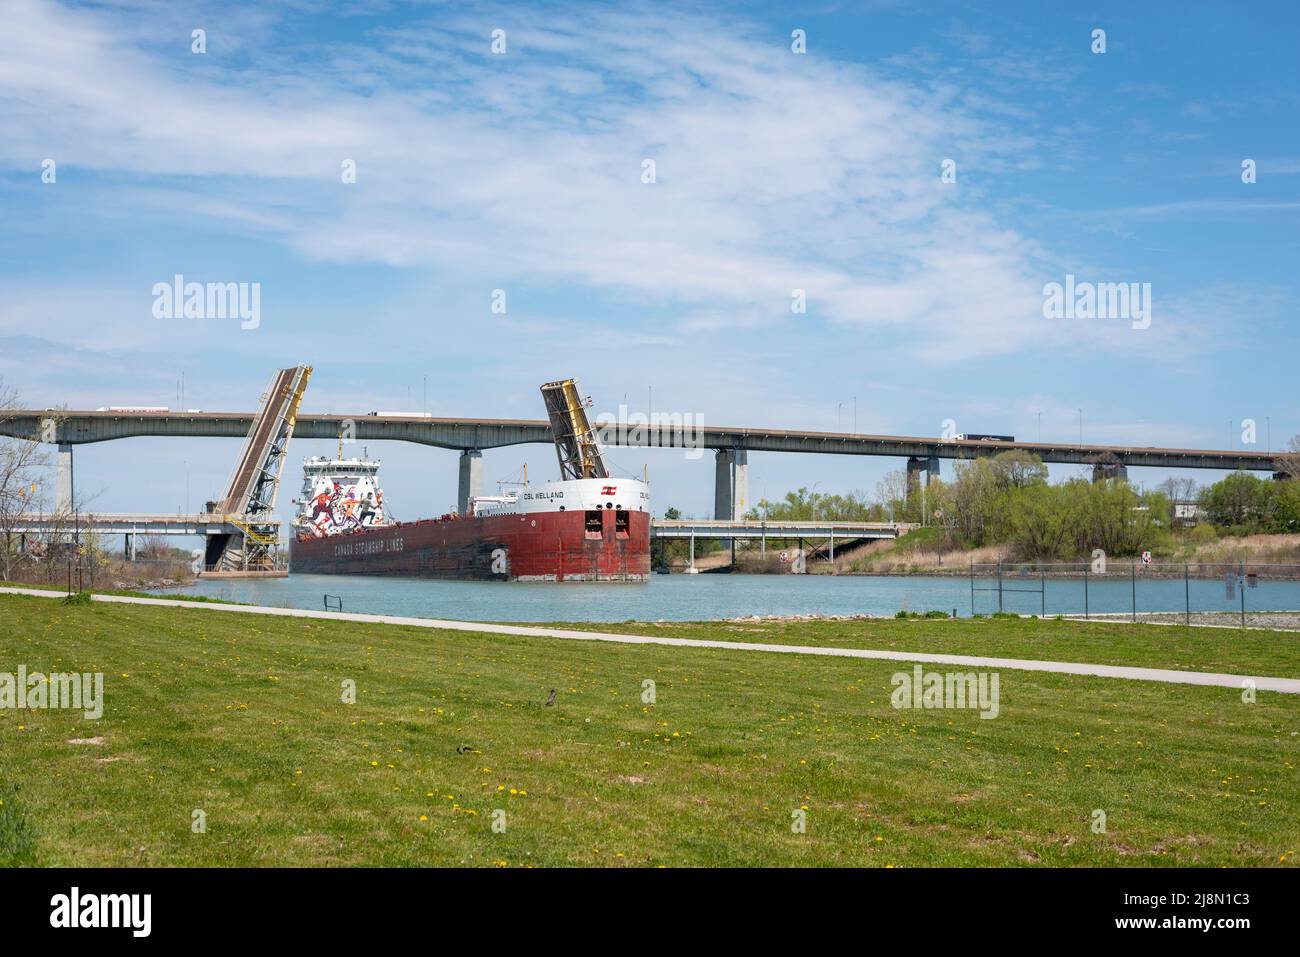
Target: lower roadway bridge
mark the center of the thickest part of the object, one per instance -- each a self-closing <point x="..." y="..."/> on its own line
<point x="845" y="531"/>
<point x="131" y="525"/>
<point x="127" y="523"/>
<point x="827" y="531"/>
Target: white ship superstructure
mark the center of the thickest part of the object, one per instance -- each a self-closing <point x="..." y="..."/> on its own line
<point x="339" y="495"/>
<point x="625" y="495"/>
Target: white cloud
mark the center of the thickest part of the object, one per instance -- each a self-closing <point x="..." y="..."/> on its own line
<point x="775" y="171"/>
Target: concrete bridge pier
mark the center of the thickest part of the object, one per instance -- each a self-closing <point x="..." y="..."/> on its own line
<point x="63" y="480"/>
<point x="471" y="479"/>
<point x="915" y="466"/>
<point x="731" y="485"/>
<point x="730" y="491"/>
<point x="129" y="546"/>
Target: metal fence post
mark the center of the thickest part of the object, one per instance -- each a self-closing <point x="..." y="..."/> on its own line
<point x="1042" y="586"/>
<point x="1241" y="587"/>
<point x="1085" y="591"/>
<point x="999" y="584"/>
<point x="1133" y="575"/>
<point x="1187" y="593"/>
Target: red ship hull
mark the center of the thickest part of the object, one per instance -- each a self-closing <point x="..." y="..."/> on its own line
<point x="594" y="545"/>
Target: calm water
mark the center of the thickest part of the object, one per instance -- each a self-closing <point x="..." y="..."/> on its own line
<point x="698" y="597"/>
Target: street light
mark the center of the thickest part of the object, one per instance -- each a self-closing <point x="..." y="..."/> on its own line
<point x="1080" y="411"/>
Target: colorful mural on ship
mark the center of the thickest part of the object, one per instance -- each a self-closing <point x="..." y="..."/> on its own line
<point x="339" y="495"/>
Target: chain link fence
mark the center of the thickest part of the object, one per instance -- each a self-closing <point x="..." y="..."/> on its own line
<point x="1243" y="593"/>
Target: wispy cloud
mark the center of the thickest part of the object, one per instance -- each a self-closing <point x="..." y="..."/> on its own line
<point x="775" y="172"/>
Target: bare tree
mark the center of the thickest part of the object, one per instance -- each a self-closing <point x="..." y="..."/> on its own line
<point x="891" y="493"/>
<point x="153" y="548"/>
<point x="1179" y="489"/>
<point x="21" y="463"/>
<point x="1288" y="463"/>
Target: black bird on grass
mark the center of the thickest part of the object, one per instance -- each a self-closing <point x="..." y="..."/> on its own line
<point x="550" y="699"/>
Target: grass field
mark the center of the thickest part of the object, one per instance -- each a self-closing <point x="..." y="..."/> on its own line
<point x="241" y="717"/>
<point x="1235" y="651"/>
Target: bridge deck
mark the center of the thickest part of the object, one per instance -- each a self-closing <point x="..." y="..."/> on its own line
<point x="468" y="433"/>
<point x="662" y="528"/>
<point x="128" y="523"/>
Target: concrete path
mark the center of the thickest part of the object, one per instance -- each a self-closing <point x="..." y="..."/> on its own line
<point x="1169" y="676"/>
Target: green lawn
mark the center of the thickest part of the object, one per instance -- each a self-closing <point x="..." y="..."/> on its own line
<point x="1236" y="651"/>
<point x="240" y="716"/>
<point x="125" y="592"/>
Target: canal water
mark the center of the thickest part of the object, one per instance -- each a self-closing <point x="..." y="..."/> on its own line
<point x="702" y="597"/>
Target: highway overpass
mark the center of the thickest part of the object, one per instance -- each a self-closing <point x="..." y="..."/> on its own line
<point x="731" y="444"/>
<point x="74" y="428"/>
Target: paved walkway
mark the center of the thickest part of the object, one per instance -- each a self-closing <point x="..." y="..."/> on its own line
<point x="1169" y="676"/>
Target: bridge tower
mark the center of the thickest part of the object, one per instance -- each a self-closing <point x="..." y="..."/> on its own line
<point x="575" y="439"/>
<point x="249" y="503"/>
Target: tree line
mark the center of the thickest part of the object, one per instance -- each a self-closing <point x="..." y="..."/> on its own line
<point x="1007" y="500"/>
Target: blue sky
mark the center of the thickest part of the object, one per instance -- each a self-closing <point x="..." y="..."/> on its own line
<point x="775" y="171"/>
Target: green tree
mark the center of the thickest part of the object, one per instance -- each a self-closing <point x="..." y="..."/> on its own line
<point x="1240" y="501"/>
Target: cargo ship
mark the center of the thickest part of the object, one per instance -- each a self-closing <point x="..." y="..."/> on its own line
<point x="586" y="526"/>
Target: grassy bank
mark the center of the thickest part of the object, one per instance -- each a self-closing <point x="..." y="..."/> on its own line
<point x="126" y="592"/>
<point x="1234" y="651"/>
<point x="925" y="552"/>
<point x="240" y="717"/>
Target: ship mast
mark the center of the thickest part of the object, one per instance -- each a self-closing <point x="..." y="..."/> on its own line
<point x="575" y="441"/>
